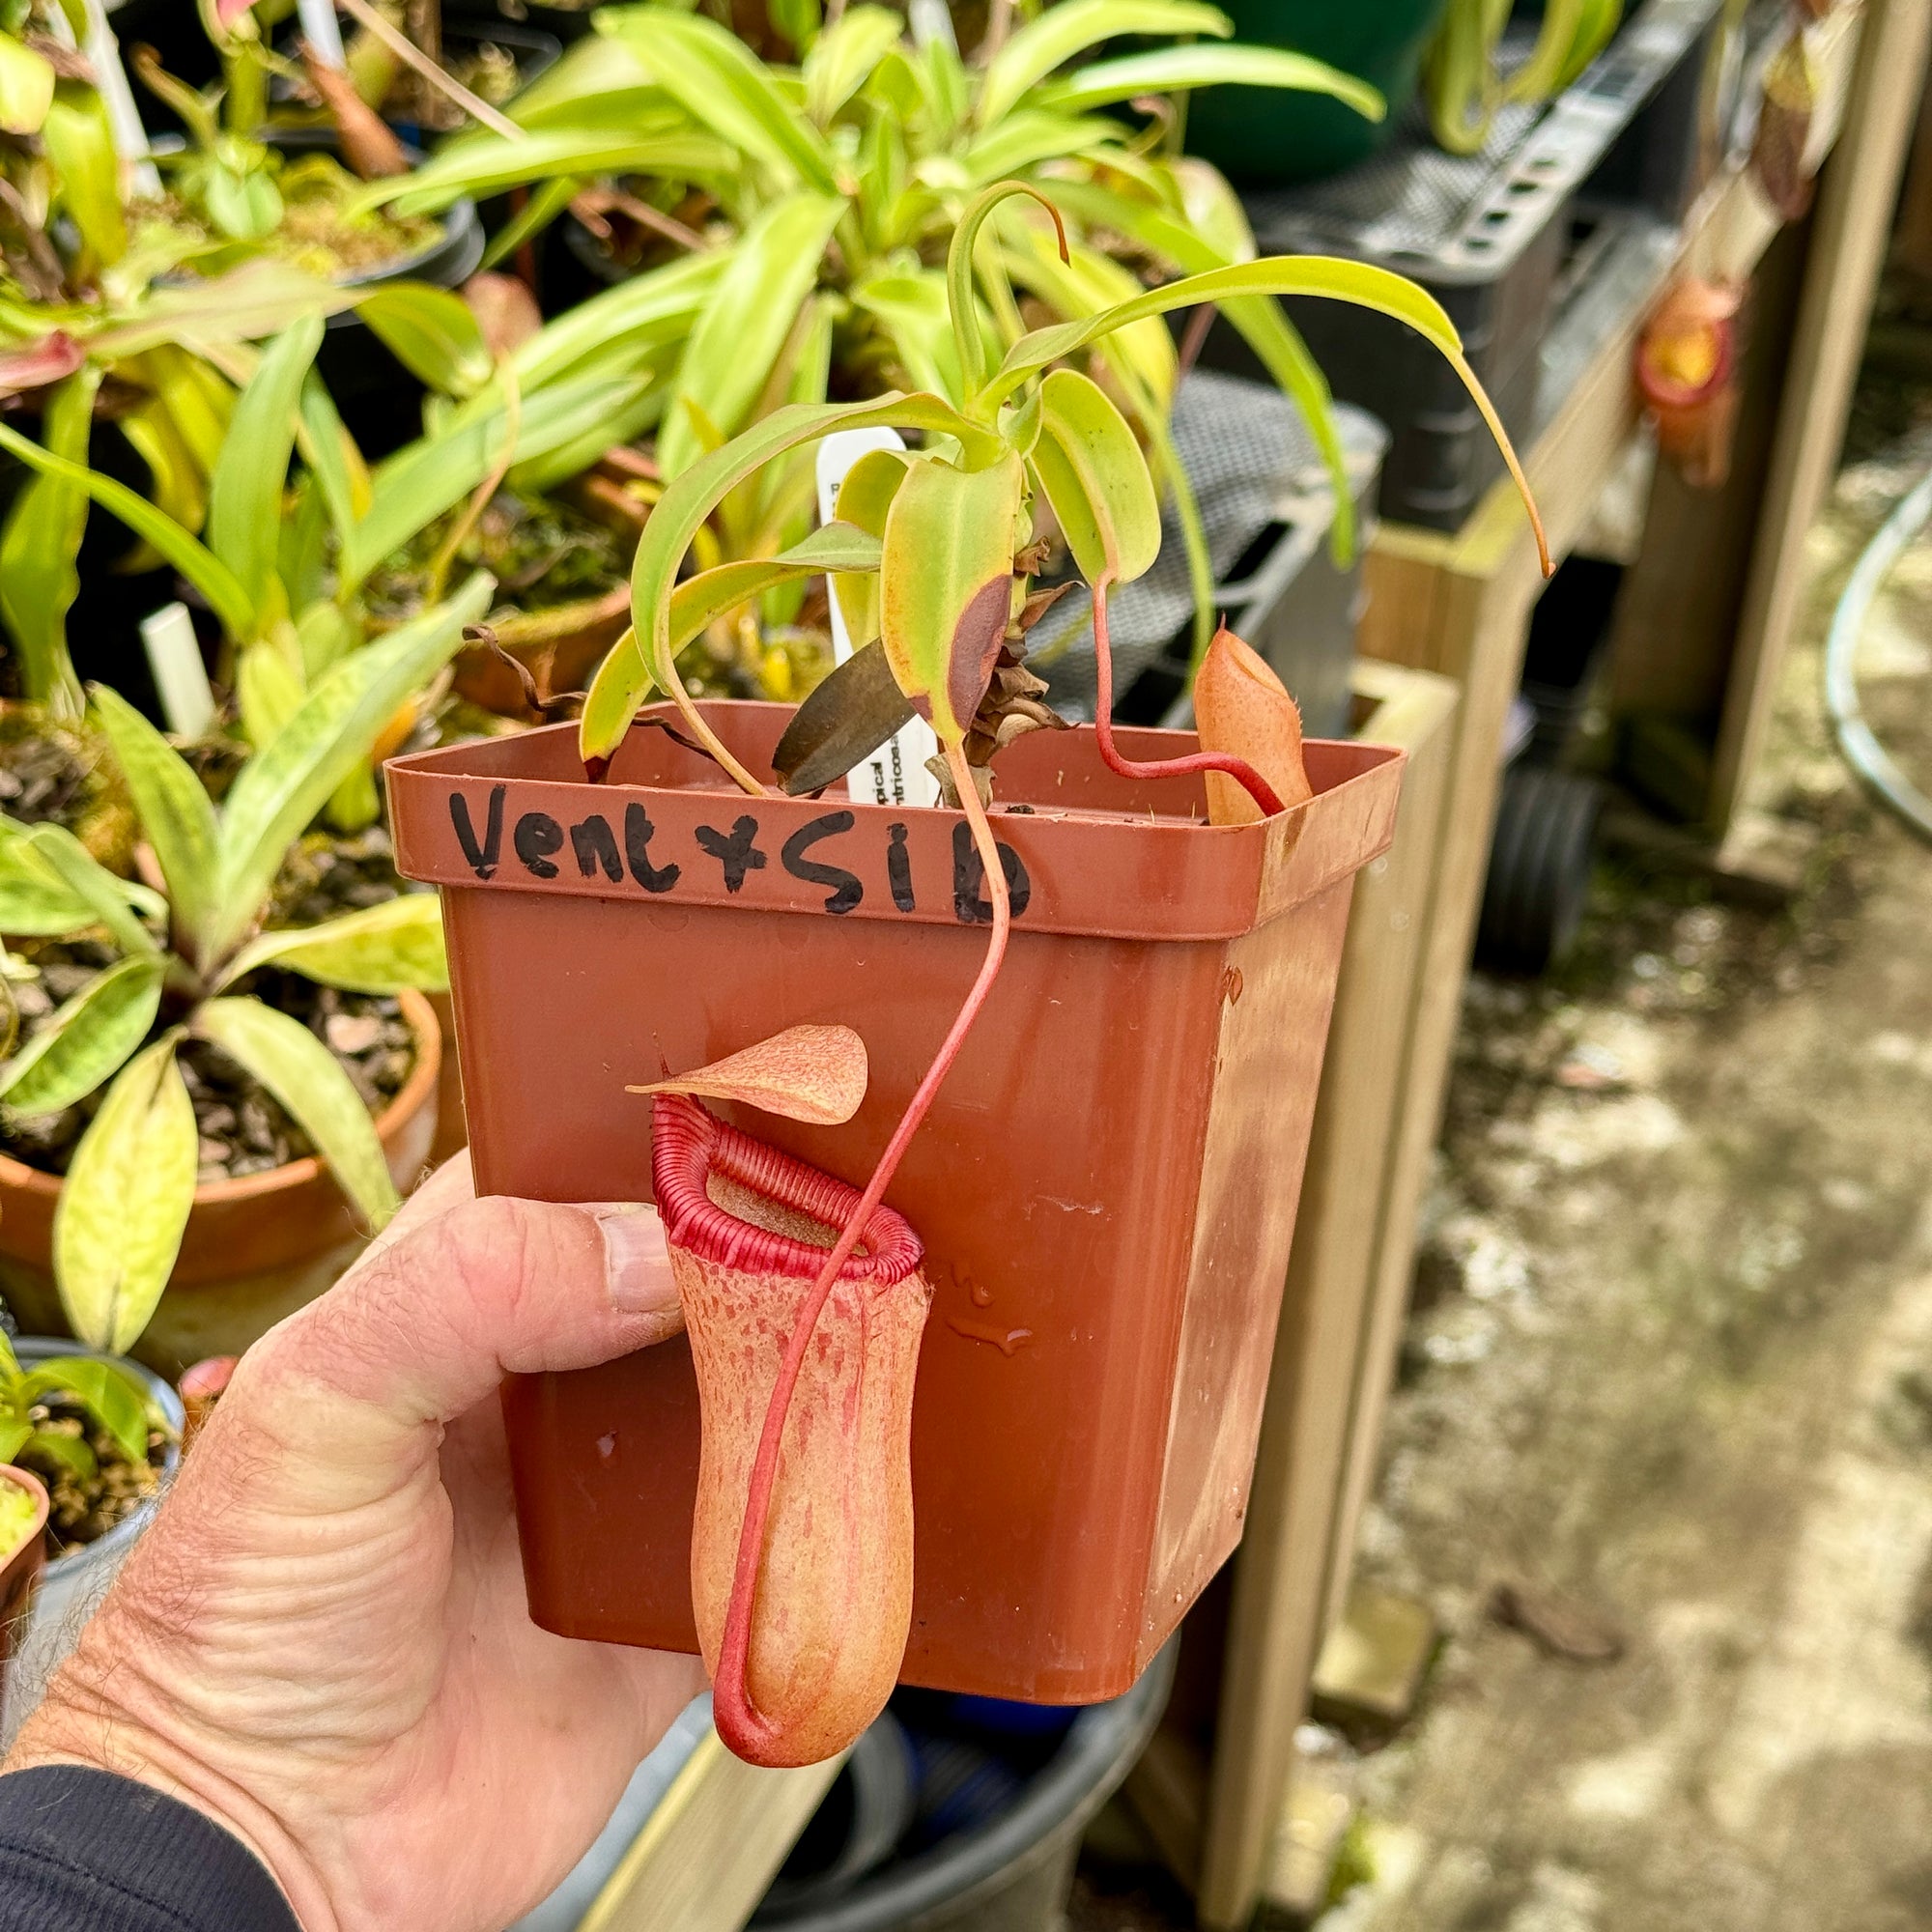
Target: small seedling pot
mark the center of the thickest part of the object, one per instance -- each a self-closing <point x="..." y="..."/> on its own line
<point x="20" y="1568"/>
<point x="255" y="1250"/>
<point x="75" y="1582"/>
<point x="1105" y="1187"/>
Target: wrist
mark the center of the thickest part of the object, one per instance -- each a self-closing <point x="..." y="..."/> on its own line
<point x="111" y="1725"/>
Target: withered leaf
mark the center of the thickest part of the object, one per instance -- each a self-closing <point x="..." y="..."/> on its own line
<point x="815" y="1073"/>
<point x="851" y="714"/>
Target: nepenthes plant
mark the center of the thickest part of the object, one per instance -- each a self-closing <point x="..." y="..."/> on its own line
<point x="930" y="555"/>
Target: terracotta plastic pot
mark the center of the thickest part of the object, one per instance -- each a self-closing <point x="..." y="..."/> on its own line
<point x="1105" y="1187"/>
<point x="255" y="1250"/>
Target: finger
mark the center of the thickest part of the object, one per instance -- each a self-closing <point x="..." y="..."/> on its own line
<point x="426" y="1327"/>
<point x="448" y="1186"/>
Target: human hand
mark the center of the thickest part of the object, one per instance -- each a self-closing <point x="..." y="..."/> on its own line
<point x="322" y="1642"/>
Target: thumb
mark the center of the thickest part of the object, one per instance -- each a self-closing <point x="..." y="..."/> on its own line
<point x="426" y="1327"/>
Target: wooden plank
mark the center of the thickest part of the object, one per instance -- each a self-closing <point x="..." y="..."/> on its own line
<point x="1275" y="1623"/>
<point x="711" y="1847"/>
<point x="1850" y="232"/>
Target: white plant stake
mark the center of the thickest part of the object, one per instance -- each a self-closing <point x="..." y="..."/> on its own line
<point x="181" y="678"/>
<point x="896" y="774"/>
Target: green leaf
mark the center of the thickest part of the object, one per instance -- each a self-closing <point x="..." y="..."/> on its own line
<point x="1173" y="70"/>
<point x="14" y="1436"/>
<point x="113" y="1395"/>
<point x="1097" y="479"/>
<point x="79" y="142"/>
<point x="1359" y="282"/>
<point x="106" y="895"/>
<point x="722" y="84"/>
<point x="257" y="298"/>
<point x="334" y="463"/>
<point x="39" y="549"/>
<point x="537" y="213"/>
<point x="598" y="74"/>
<point x="35" y="901"/>
<point x="743" y="326"/>
<point x="622" y="681"/>
<point x="309" y="1081"/>
<point x="701" y="600"/>
<point x="126" y="1200"/>
<point x="436" y="473"/>
<point x="61" y="1453"/>
<point x="177" y="818"/>
<point x="268" y="692"/>
<point x="648" y="315"/>
<point x="354" y="805"/>
<point x="281" y="788"/>
<point x="1061" y="32"/>
<point x="245" y="497"/>
<point x="433" y="334"/>
<point x="26" y="87"/>
<point x="205" y="571"/>
<point x="88" y="1039"/>
<point x="379" y="949"/>
<point x="844" y="56"/>
<point x="1022" y="141"/>
<point x="489" y="165"/>
<point x="946" y="584"/>
<point x="864" y="500"/>
<point x="968" y="342"/>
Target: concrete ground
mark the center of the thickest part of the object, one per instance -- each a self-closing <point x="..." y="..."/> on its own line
<point x="1670" y="1374"/>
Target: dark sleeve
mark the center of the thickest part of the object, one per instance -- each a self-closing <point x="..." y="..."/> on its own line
<point x="84" y="1850"/>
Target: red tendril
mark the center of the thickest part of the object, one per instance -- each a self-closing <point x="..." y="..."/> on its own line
<point x="740" y="1723"/>
<point x="1239" y="769"/>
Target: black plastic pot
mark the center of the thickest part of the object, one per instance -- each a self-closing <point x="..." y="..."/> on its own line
<point x="378" y="399"/>
<point x="565" y="23"/>
<point x="535" y="53"/>
<point x="1013" y="1874"/>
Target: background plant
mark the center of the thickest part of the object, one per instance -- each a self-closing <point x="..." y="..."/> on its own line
<point x="111" y="1395"/>
<point x="1464" y="84"/>
<point x="806" y="212"/>
<point x="182" y="956"/>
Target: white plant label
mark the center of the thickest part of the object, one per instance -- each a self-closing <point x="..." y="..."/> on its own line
<point x="896" y="774"/>
<point x="181" y="678"/>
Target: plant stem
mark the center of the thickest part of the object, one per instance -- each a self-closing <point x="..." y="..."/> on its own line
<point x="713" y="744"/>
<point x="480" y="111"/>
<point x="733" y="1711"/>
<point x="1239" y="769"/>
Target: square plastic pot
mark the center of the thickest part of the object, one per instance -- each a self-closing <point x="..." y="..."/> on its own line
<point x="1106" y="1186"/>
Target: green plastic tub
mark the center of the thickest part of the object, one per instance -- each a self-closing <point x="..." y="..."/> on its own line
<point x="1267" y="136"/>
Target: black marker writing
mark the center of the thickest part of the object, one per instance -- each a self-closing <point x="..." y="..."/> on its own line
<point x="637" y="829"/>
<point x="899" y="868"/>
<point x="733" y="850"/>
<point x="482" y="858"/>
<point x="969" y="878"/>
<point x="536" y="836"/>
<point x="596" y="845"/>
<point x="848" y="888"/>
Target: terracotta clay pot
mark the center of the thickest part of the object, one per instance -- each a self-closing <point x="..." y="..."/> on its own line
<point x="255" y="1249"/>
<point x="1105" y="1187"/>
<point x="560" y="648"/>
<point x="20" y="1571"/>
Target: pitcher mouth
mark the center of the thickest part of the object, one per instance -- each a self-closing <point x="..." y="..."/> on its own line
<point x="729" y="1198"/>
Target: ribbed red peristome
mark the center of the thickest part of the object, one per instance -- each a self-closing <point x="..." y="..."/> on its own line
<point x="688" y="1144"/>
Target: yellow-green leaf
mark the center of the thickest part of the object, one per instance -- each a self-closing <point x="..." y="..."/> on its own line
<point x="947" y="582"/>
<point x="844" y="56"/>
<point x="268" y="689"/>
<point x="126" y="1200"/>
<point x="743" y="326"/>
<point x="432" y="332"/>
<point x="1173" y="70"/>
<point x="106" y="895"/>
<point x="281" y="788"/>
<point x="309" y="1081"/>
<point x="112" y="1393"/>
<point x="177" y="818"/>
<point x="379" y="949"/>
<point x="865" y="498"/>
<point x="79" y="142"/>
<point x="1097" y="479"/>
<point x="88" y="1038"/>
<point x="1071" y="28"/>
<point x="26" y="87"/>
<point x="682" y="511"/>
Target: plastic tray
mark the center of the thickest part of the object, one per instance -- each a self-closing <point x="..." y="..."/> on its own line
<point x="1489" y="235"/>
